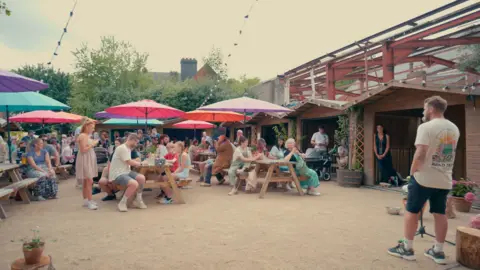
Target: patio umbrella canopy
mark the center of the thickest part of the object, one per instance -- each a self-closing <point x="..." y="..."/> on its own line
<point x="215" y="116"/>
<point x="44" y="117"/>
<point x="146" y="109"/>
<point x="191" y="124"/>
<point x="26" y="101"/>
<point x="12" y="82"/>
<point x="76" y="117"/>
<point x="104" y="114"/>
<point x="132" y="122"/>
<point x="244" y="105"/>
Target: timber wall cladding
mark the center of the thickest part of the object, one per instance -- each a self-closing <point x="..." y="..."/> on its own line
<point x="472" y="135"/>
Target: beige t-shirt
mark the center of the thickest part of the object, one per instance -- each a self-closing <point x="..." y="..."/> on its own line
<point x="441" y="136"/>
<point x="119" y="165"/>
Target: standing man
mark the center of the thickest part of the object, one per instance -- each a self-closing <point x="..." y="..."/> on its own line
<point x="320" y="140"/>
<point x="121" y="174"/>
<point x="431" y="178"/>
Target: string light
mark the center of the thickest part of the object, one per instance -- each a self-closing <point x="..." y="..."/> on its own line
<point x="235" y="44"/>
<point x="59" y="42"/>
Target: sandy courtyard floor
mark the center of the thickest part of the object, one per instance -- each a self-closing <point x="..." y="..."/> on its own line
<point x="344" y="228"/>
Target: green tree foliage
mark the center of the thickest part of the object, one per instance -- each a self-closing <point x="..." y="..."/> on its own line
<point x="4" y="9"/>
<point x="471" y="61"/>
<point x="59" y="82"/>
<point x="111" y="75"/>
<point x="215" y="61"/>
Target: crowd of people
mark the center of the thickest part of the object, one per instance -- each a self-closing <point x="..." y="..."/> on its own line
<point x="85" y="149"/>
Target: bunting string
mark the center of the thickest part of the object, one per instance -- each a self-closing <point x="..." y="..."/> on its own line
<point x="65" y="30"/>
<point x="235" y="44"/>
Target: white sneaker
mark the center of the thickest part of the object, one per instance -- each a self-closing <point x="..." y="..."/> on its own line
<point x="288" y="187"/>
<point x="86" y="202"/>
<point x="234" y="191"/>
<point x="279" y="185"/>
<point x="139" y="204"/>
<point x="122" y="207"/>
<point x="313" y="192"/>
<point x="92" y="205"/>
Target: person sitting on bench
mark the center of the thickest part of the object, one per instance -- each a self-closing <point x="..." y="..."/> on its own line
<point x="241" y="157"/>
<point x="67" y="154"/>
<point x="121" y="174"/>
<point x="182" y="172"/>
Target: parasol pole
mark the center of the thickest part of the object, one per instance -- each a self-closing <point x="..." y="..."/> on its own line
<point x="194" y="131"/>
<point x="9" y="140"/>
<point x="245" y="122"/>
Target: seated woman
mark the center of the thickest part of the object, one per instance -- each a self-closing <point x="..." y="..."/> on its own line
<point x="193" y="149"/>
<point x="182" y="172"/>
<point x="241" y="157"/>
<point x="301" y="169"/>
<point x="67" y="154"/>
<point x="278" y="152"/>
<point x="40" y="166"/>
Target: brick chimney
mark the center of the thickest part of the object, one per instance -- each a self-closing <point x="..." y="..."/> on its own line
<point x="188" y="68"/>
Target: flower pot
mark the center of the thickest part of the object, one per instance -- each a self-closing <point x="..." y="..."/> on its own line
<point x="348" y="178"/>
<point x="461" y="205"/>
<point x="32" y="256"/>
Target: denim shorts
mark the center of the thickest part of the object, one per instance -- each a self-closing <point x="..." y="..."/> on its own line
<point x="123" y="179"/>
<point x="418" y="195"/>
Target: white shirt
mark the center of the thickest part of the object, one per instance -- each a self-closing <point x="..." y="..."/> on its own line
<point x="119" y="165"/>
<point x="320" y="138"/>
<point x="67" y="152"/>
<point x="441" y="136"/>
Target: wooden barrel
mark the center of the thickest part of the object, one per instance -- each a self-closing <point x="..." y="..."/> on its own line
<point x="348" y="178"/>
<point x="468" y="247"/>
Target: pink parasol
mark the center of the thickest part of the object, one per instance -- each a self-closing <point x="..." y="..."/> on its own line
<point x="192" y="124"/>
<point x="148" y="109"/>
<point x="213" y="116"/>
<point x="244" y="105"/>
<point x="43" y="117"/>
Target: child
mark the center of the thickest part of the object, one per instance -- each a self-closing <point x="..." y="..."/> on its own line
<point x="182" y="171"/>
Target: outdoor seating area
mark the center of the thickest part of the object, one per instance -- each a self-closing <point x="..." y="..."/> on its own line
<point x="365" y="157"/>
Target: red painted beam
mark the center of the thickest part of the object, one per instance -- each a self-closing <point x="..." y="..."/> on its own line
<point x="438" y="42"/>
<point x="349" y="94"/>
<point x="436" y="29"/>
<point x="388" y="63"/>
<point x="330" y="83"/>
<point x="353" y="64"/>
<point x="429" y="60"/>
<point x="362" y="76"/>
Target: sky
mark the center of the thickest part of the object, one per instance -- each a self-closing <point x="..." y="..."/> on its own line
<point x="278" y="35"/>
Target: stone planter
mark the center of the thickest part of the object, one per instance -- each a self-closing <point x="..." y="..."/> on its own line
<point x="349" y="178"/>
<point x="461" y="205"/>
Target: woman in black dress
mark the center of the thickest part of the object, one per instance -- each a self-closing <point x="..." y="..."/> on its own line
<point x="381" y="147"/>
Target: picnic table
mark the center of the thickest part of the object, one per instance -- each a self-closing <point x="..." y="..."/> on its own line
<point x="274" y="175"/>
<point x="18" y="185"/>
<point x="157" y="170"/>
<point x="206" y="155"/>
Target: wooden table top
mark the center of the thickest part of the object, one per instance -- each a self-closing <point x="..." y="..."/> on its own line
<point x="268" y="161"/>
<point x="7" y="167"/>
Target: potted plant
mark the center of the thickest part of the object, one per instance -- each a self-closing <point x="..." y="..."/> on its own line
<point x="463" y="194"/>
<point x="33" y="248"/>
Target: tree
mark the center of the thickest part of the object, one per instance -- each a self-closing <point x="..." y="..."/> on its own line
<point x="111" y="75"/>
<point x="59" y="82"/>
<point x="4" y="9"/>
<point x="215" y="61"/>
<point x="471" y="60"/>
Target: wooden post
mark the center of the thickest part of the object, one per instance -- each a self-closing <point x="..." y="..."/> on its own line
<point x="286" y="91"/>
<point x="468" y="247"/>
<point x="312" y="82"/>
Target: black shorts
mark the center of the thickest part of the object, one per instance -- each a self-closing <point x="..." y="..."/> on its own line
<point x="418" y="196"/>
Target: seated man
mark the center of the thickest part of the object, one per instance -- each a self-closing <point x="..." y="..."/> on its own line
<point x="109" y="187"/>
<point x="120" y="173"/>
<point x="52" y="151"/>
<point x="223" y="160"/>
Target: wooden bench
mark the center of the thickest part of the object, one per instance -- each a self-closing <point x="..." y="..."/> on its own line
<point x="15" y="187"/>
<point x="4" y="194"/>
<point x="63" y="171"/>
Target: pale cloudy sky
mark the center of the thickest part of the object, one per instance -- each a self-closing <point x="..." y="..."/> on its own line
<point x="278" y="36"/>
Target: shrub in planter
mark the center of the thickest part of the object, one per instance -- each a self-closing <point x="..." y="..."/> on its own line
<point x="350" y="178"/>
<point x="33" y="247"/>
<point x="463" y="194"/>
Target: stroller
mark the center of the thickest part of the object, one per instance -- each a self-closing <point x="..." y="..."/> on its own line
<point x="321" y="162"/>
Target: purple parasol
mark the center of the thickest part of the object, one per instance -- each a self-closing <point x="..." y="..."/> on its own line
<point x="12" y="82"/>
<point x="244" y="105"/>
